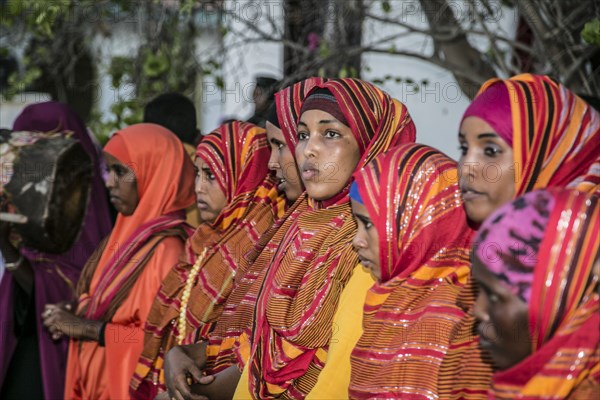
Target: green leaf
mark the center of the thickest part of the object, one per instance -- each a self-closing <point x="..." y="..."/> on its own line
<point x="343" y="73"/>
<point x="386" y="6"/>
<point x="591" y="32"/>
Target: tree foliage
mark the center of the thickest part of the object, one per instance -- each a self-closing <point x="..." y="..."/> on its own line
<point x="469" y="38"/>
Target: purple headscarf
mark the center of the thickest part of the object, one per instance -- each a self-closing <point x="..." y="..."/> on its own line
<point x="493" y="106"/>
<point x="55" y="275"/>
<point x="508" y="242"/>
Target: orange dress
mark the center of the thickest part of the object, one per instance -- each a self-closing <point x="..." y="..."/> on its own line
<point x="120" y="281"/>
<point x="96" y="372"/>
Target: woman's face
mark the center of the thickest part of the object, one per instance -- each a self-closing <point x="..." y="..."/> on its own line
<point x="366" y="240"/>
<point x="327" y="154"/>
<point x="487" y="170"/>
<point x="210" y="198"/>
<point x="283" y="163"/>
<point x="502" y="319"/>
<point x="121" y="185"/>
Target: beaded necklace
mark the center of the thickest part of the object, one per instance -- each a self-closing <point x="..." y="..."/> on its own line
<point x="185" y="297"/>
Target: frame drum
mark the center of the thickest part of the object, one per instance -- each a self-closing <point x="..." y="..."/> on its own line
<point x="46" y="177"/>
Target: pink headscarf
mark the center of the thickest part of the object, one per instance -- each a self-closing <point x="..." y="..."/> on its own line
<point x="508" y="242"/>
<point x="493" y="106"/>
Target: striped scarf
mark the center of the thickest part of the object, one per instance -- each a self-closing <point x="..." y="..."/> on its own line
<point x="411" y="194"/>
<point x="311" y="267"/>
<point x="556" y="138"/>
<point x="228" y="343"/>
<point x="564" y="312"/>
<point x="237" y="153"/>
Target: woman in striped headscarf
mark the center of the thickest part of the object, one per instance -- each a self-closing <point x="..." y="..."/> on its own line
<point x="343" y="125"/>
<point x="520" y="134"/>
<point x="537" y="262"/>
<point x="413" y="236"/>
<point x="232" y="172"/>
<point x="227" y="346"/>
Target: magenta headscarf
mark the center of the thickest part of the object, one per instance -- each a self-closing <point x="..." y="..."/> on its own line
<point x="55" y="275"/>
<point x="508" y="242"/>
<point x="493" y="106"/>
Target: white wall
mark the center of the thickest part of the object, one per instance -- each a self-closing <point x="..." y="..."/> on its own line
<point x="436" y="108"/>
<point x="242" y="63"/>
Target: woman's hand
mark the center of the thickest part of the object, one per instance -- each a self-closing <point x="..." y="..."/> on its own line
<point x="183" y="368"/>
<point x="60" y="320"/>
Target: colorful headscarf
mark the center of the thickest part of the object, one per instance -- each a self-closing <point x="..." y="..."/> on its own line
<point x="555" y="141"/>
<point x="411" y="194"/>
<point x="493" y="106"/>
<point x="315" y="260"/>
<point x="555" y="134"/>
<point x="237" y="153"/>
<point x="564" y="312"/>
<point x="228" y="343"/>
<point x="509" y="241"/>
<point x="165" y="188"/>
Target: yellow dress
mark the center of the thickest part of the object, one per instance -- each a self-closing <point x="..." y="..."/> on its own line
<point x="347" y="329"/>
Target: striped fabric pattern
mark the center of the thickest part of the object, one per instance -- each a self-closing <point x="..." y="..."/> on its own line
<point x="238" y="154"/>
<point x="413" y="199"/>
<point x="556" y="143"/>
<point x="564" y="312"/>
<point x="225" y="348"/>
<point x="315" y="260"/>
<point x="556" y="135"/>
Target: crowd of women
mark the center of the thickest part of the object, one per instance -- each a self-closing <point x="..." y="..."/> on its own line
<point x="335" y="257"/>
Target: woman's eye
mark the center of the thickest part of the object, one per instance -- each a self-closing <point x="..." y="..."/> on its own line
<point x="492" y="151"/>
<point x="120" y="171"/>
<point x="302" y="135"/>
<point x="463" y="150"/>
<point x="331" y="134"/>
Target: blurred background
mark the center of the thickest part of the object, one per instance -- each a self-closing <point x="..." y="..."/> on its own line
<point x="108" y="58"/>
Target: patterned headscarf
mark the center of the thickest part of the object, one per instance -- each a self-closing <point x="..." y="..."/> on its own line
<point x="555" y="142"/>
<point x="237" y="153"/>
<point x="228" y="343"/>
<point x="412" y="197"/>
<point x="555" y="134"/>
<point x="508" y="243"/>
<point x="564" y="299"/>
<point x="315" y="259"/>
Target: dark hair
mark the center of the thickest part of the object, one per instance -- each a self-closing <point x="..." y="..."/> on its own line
<point x="175" y="112"/>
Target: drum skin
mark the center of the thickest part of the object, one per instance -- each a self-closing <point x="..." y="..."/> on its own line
<point x="50" y="185"/>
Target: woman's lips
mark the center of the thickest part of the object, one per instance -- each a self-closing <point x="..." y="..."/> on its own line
<point x="281" y="183"/>
<point x="469" y="194"/>
<point x="201" y="205"/>
<point x="309" y="174"/>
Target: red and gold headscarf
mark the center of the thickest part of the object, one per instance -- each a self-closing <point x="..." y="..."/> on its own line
<point x="225" y="347"/>
<point x="555" y="135"/>
<point x="411" y="194"/>
<point x="315" y="259"/>
<point x="237" y="153"/>
<point x="564" y="312"/>
<point x="556" y="143"/>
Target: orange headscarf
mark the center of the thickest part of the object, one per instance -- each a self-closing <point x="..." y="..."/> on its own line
<point x="165" y="182"/>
